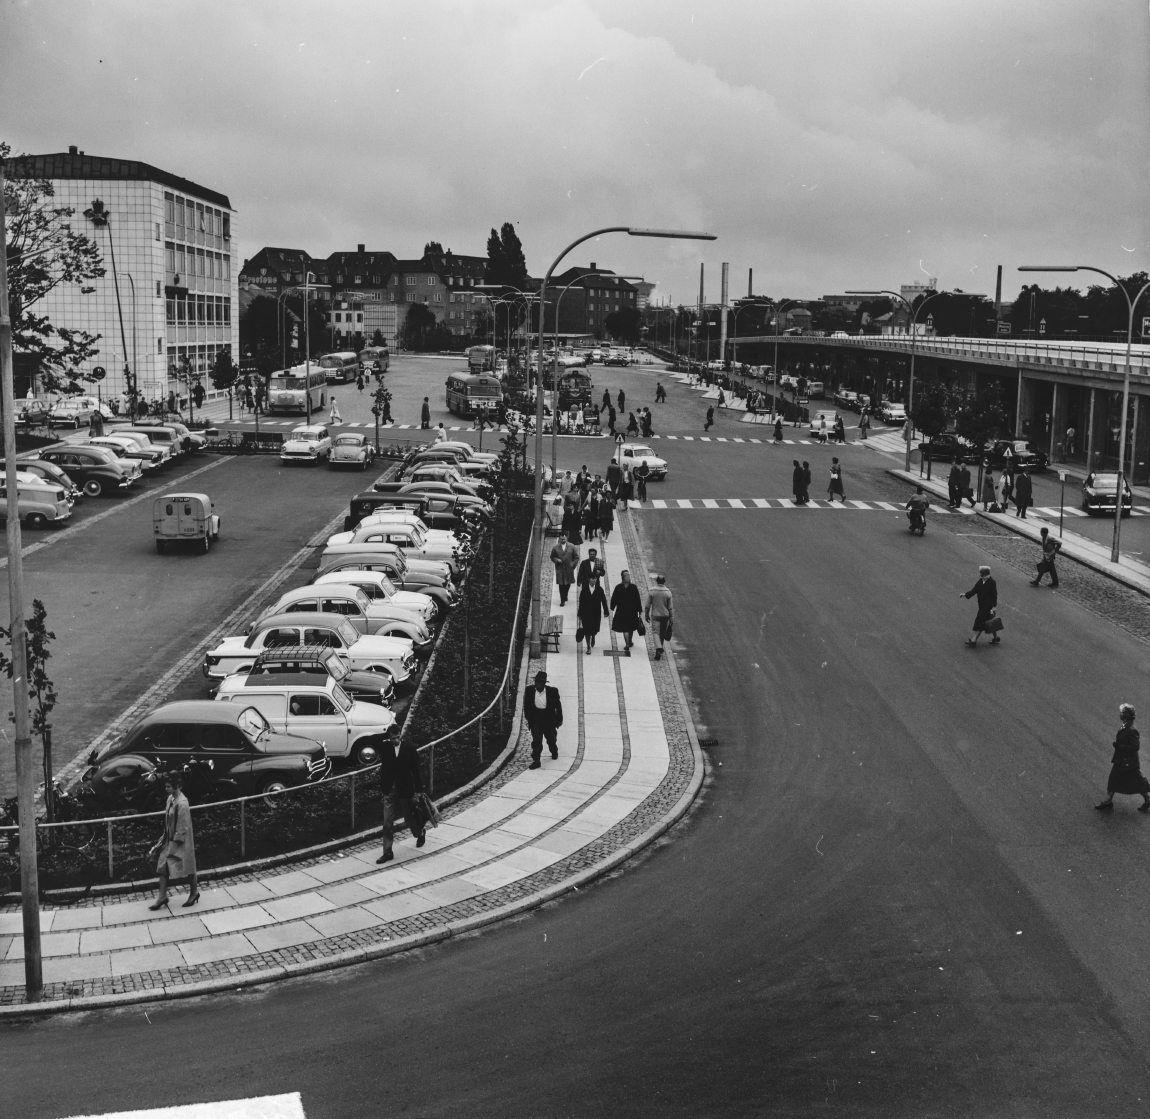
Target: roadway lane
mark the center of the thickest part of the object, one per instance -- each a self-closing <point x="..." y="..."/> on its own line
<point x="893" y="900"/>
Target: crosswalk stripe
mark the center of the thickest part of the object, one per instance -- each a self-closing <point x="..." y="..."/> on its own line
<point x="658" y="503"/>
<point x="688" y="438"/>
<point x="786" y="503"/>
<point x="704" y="439"/>
<point x="710" y="503"/>
<point x="684" y="503"/>
<point x="721" y="439"/>
<point x="860" y="504"/>
<point x="761" y="503"/>
<point x="887" y="505"/>
<point x="735" y="503"/>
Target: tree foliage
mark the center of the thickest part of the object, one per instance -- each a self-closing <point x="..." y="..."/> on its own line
<point x="45" y="253"/>
<point x="506" y="263"/>
<point x="419" y="327"/>
<point x="623" y="324"/>
<point x="981" y="416"/>
<point x="433" y="248"/>
<point x="224" y="372"/>
<point x="933" y="407"/>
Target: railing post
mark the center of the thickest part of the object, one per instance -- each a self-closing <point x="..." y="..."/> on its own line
<point x="481" y="740"/>
<point x="352" y="784"/>
<point x="243" y="829"/>
<point x="431" y="771"/>
<point x="111" y="856"/>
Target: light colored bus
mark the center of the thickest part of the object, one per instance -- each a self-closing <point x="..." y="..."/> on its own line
<point x="339" y="368"/>
<point x="297" y="390"/>
<point x="481" y="359"/>
<point x="469" y="394"/>
<point x="816" y="389"/>
<point x="375" y="359"/>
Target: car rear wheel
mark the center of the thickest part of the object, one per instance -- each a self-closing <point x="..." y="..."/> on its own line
<point x="36" y="520"/>
<point x="93" y="487"/>
<point x="365" y="753"/>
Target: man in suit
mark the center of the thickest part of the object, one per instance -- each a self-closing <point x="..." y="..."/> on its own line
<point x="592" y="565"/>
<point x="1023" y="494"/>
<point x="544" y="714"/>
<point x="400" y="782"/>
<point x="565" y="557"/>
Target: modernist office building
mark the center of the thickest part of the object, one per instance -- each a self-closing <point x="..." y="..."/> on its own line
<point x="173" y="247"/>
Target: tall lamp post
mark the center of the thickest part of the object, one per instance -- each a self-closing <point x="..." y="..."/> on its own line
<point x="99" y="216"/>
<point x="537" y="525"/>
<point x="777" y="311"/>
<point x="1131" y="306"/>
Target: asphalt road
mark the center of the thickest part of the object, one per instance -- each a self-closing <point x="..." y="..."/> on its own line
<point x="893" y="899"/>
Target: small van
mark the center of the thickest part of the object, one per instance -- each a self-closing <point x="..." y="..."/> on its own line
<point x="38" y="502"/>
<point x="183" y="518"/>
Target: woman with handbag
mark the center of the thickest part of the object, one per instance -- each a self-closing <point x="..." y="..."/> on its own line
<point x="1125" y="772"/>
<point x="627" y="607"/>
<point x="592" y="609"/>
<point x="985" y="621"/>
<point x="175" y="850"/>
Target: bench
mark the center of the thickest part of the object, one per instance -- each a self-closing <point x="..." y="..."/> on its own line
<point x="253" y="443"/>
<point x="550" y="631"/>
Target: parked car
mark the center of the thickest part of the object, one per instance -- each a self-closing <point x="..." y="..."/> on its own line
<point x="307" y="443"/>
<point x="70" y="413"/>
<point x="50" y="472"/>
<point x="162" y="435"/>
<point x="391" y="514"/>
<point x="368" y="687"/>
<point x="469" y="469"/>
<point x="350" y="448"/>
<point x="166" y="451"/>
<point x="380" y="589"/>
<point x="1100" y="493"/>
<point x="366" y="614"/>
<point x="892" y="413"/>
<point x="191" y="441"/>
<point x="392" y="562"/>
<point x="413" y="542"/>
<point x="38" y="501"/>
<point x="245" y="753"/>
<point x="946" y="446"/>
<point x="392" y="655"/>
<point x="469" y="452"/>
<point x="436" y="510"/>
<point x="312" y="704"/>
<point x="441" y="473"/>
<point x="95" y="469"/>
<point x="184" y="518"/>
<point x="616" y="357"/>
<point x="634" y="453"/>
<point x="123" y="446"/>
<point x="846" y="398"/>
<point x="462" y="493"/>
<point x="1023" y="454"/>
<point x="34" y="412"/>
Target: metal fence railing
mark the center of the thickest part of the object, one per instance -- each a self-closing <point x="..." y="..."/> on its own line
<point x="112" y="848"/>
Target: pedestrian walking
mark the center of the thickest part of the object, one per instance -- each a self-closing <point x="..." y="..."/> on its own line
<point x="1125" y="770"/>
<point x="965" y="490"/>
<point x="591" y="568"/>
<point x="606" y="400"/>
<point x="614" y="476"/>
<point x="96" y="424"/>
<point x="1023" y="494"/>
<point x="622" y="401"/>
<point x="806" y="482"/>
<point x="626" y="486"/>
<point x="400" y="784"/>
<point x="440" y="433"/>
<point x="822" y="429"/>
<point x="642" y="473"/>
<point x="606" y="516"/>
<point x="1004" y="490"/>
<point x="840" y="429"/>
<point x="611" y="416"/>
<point x="175" y="850"/>
<point x="953" y="480"/>
<point x="988" y="502"/>
<point x="722" y="399"/>
<point x="591" y="517"/>
<point x="425" y="415"/>
<point x="660" y="612"/>
<point x="592" y="609"/>
<point x="632" y="424"/>
<point x="333" y="416"/>
<point x="572" y="522"/>
<point x="1071" y="435"/>
<point x="710" y="417"/>
<point x="778" y="429"/>
<point x="1050" y="549"/>
<point x="543" y="711"/>
<point x="660" y="393"/>
<point x="627" y="607"/>
<point x="986" y="591"/>
<point x="797" y="482"/>
<point x="359" y="381"/>
<point x="835" y="486"/>
<point x="864" y="424"/>
<point x="645" y="422"/>
<point x="565" y="557"/>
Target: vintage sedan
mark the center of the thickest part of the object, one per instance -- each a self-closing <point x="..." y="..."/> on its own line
<point x="123" y="446"/>
<point x="70" y="413"/>
<point x="634" y="453"/>
<point x="350" y="448"/>
<point x="366" y="614"/>
<point x="1019" y="453"/>
<point x="392" y="563"/>
<point x="392" y="655"/>
<point x="307" y="443"/>
<point x="380" y="589"/>
<point x="1100" y="493"/>
<point x="947" y="447"/>
<point x="95" y="469"/>
<point x="50" y="472"/>
<point x="238" y="745"/>
<point x="414" y="542"/>
<point x="369" y="687"/>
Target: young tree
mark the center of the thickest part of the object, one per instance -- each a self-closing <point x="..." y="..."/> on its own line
<point x="377" y="338"/>
<point x="44" y="253"/>
<point x="623" y="324"/>
<point x="224" y="372"/>
<point x="981" y="416"/>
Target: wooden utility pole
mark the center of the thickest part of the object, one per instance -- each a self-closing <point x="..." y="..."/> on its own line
<point x="25" y="770"/>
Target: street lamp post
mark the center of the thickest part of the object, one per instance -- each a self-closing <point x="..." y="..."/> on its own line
<point x="537" y="525"/>
<point x="778" y="330"/>
<point x="99" y="216"/>
<point x="1131" y="305"/>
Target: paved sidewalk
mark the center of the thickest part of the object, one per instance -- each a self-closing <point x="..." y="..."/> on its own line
<point x="628" y="766"/>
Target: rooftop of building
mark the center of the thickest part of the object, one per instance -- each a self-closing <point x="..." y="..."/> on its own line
<point x="75" y="164"/>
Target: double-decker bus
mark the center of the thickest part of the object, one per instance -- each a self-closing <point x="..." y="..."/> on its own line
<point x="470" y="394"/>
<point x="339" y="368"/>
<point x="375" y="359"/>
<point x="298" y="390"/>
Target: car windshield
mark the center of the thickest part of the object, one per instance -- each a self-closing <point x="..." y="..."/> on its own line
<point x="361" y="599"/>
<point x="1104" y="482"/>
<point x="639" y="449"/>
<point x="115" y="448"/>
<point x="342" y="699"/>
<point x="304" y="433"/>
<point x="253" y="724"/>
<point x="349" y="440"/>
<point x="337" y="667"/>
<point x="347" y="633"/>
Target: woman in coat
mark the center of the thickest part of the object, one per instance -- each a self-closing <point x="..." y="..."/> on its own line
<point x="1125" y="772"/>
<point x="606" y="516"/>
<point x="627" y="485"/>
<point x="592" y="609"/>
<point x="627" y="607"/>
<point x="835" y="485"/>
<point x="591" y="518"/>
<point x="986" y="591"/>
<point x="175" y="850"/>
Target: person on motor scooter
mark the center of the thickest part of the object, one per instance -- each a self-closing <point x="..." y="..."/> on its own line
<point x="916" y="509"/>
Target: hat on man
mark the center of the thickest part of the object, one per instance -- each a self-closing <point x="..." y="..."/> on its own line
<point x="984" y="570"/>
<point x="540" y="677"/>
<point x="1126" y="710"/>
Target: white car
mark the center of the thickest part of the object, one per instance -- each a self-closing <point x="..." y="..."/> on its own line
<point x="893" y="414"/>
<point x="307" y="443"/>
<point x="412" y="541"/>
<point x="388" y="515"/>
<point x="379" y="588"/>
<point x="487" y="457"/>
<point x="349" y="448"/>
<point x="817" y="428"/>
<point x="124" y="446"/>
<point x="634" y="453"/>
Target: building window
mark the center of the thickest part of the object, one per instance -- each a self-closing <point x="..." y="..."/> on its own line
<point x="227" y="226"/>
<point x="410" y="281"/>
<point x="159" y="345"/>
<point x="432" y="280"/>
<point x="358" y="280"/>
<point x="158" y="289"/>
<point x="439" y="297"/>
<point x="411" y="297"/>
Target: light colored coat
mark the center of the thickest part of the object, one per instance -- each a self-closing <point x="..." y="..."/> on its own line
<point x="178" y="850"/>
<point x="566" y="560"/>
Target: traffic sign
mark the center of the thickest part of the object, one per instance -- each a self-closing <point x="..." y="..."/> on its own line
<point x="98" y="374"/>
<point x="1145" y="325"/>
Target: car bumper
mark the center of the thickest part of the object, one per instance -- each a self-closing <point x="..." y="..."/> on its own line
<point x="299" y="456"/>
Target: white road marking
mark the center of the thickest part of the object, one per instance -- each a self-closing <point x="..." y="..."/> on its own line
<point x="735" y="503"/>
<point x="887" y="505"/>
<point x="761" y="503"/>
<point x="710" y="503"/>
<point x="257" y="1107"/>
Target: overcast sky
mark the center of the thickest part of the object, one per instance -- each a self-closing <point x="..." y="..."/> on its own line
<point x="829" y="144"/>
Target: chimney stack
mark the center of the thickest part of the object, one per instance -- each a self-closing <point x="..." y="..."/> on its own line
<point x="360" y="248"/>
<point x="72" y="150"/>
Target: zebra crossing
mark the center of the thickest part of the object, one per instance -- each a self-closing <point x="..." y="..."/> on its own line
<point x="675" y="503"/>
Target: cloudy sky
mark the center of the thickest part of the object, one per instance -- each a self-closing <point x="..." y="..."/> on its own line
<point x="829" y="144"/>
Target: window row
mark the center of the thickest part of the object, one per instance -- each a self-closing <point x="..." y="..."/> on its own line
<point x="188" y="263"/>
<point x="200" y="359"/>
<point x="185" y="218"/>
<point x="196" y="309"/>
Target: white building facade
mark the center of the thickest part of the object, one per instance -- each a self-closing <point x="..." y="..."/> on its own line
<point x="178" y="285"/>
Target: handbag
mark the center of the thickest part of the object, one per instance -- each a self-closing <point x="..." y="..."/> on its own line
<point x="994" y="625"/>
<point x="579" y="635"/>
<point x="430" y="813"/>
<point x="640" y="629"/>
<point x="668" y="629"/>
<point x="1043" y="566"/>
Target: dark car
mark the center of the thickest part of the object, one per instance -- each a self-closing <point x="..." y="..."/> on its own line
<point x="947" y="447"/>
<point x="94" y="469"/>
<point x="368" y="687"/>
<point x="1100" y="493"/>
<point x="33" y="413"/>
<point x="245" y="755"/>
<point x="1019" y="452"/>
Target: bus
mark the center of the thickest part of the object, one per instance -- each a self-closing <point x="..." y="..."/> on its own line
<point x="575" y="388"/>
<point x="816" y="389"/>
<point x="297" y="390"/>
<point x="375" y="359"/>
<point x="481" y="359"/>
<point x="469" y="394"/>
<point x="339" y="368"/>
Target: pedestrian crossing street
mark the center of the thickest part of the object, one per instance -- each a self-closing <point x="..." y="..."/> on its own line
<point x="674" y="503"/>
